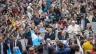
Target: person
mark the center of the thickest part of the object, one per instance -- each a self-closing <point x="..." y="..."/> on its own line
<point x="28" y="38"/>
<point x="84" y="21"/>
<point x="41" y="50"/>
<point x="88" y="30"/>
<point x="77" y="50"/>
<point x="31" y="50"/>
<point x="24" y="52"/>
<point x="73" y="28"/>
<point x="87" y="45"/>
<point x="63" y="36"/>
<point x="90" y="16"/>
<point x="42" y="28"/>
<point x="50" y="34"/>
<point x="51" y="50"/>
<point x="62" y="50"/>
<point x="37" y="19"/>
<point x="63" y="22"/>
<point x="15" y="43"/>
<point x="3" y="45"/>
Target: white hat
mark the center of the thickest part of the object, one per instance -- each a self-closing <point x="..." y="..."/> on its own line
<point x="30" y="4"/>
<point x="28" y="7"/>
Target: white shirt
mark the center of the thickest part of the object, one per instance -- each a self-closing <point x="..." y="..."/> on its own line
<point x="74" y="28"/>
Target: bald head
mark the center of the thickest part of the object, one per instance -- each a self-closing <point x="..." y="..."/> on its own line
<point x="63" y="33"/>
<point x="73" y="23"/>
<point x="50" y="30"/>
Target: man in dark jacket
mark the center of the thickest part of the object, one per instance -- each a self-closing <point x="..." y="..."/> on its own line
<point x="50" y="34"/>
<point x="41" y="50"/>
<point x="84" y="21"/>
<point x="15" y="43"/>
<point x="37" y="19"/>
<point x="62" y="49"/>
<point x="27" y="36"/>
<point x="63" y="36"/>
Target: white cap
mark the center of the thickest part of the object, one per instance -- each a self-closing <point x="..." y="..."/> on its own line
<point x="30" y="4"/>
<point x="28" y="7"/>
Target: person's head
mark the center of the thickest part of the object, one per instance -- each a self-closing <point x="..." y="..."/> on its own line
<point x="28" y="28"/>
<point x="40" y="48"/>
<point x="50" y="30"/>
<point x="88" y="39"/>
<point x="63" y="33"/>
<point x="33" y="26"/>
<point x="77" y="48"/>
<point x="41" y="24"/>
<point x="88" y="52"/>
<point x="38" y="26"/>
<point x="1" y="37"/>
<point x="88" y="26"/>
<point x="75" y="41"/>
<point x="75" y="15"/>
<point x="51" y="50"/>
<point x="91" y="12"/>
<point x="31" y="50"/>
<point x="60" y="45"/>
<point x="24" y="52"/>
<point x="37" y="15"/>
<point x="73" y="23"/>
<point x="84" y="15"/>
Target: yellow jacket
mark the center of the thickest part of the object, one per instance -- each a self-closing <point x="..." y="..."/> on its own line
<point x="87" y="46"/>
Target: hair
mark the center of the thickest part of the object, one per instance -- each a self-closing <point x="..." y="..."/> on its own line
<point x="51" y="50"/>
<point x="88" y="52"/>
<point x="40" y="48"/>
<point x="24" y="52"/>
<point x="77" y="48"/>
<point x="75" y="41"/>
<point x="60" y="44"/>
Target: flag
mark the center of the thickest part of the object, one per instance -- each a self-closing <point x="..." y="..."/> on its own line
<point x="35" y="39"/>
<point x="9" y="51"/>
<point x="17" y="51"/>
<point x="12" y="22"/>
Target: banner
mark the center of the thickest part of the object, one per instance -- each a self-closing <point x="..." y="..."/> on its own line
<point x="35" y="39"/>
<point x="17" y="50"/>
<point x="9" y="51"/>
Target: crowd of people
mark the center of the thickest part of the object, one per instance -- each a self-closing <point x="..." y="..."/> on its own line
<point x="63" y="26"/>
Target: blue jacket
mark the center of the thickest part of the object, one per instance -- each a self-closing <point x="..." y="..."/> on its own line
<point x="64" y="51"/>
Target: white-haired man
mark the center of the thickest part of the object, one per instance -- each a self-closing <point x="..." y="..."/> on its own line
<point x="73" y="28"/>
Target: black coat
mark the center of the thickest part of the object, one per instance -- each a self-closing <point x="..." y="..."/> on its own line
<point x="51" y="36"/>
